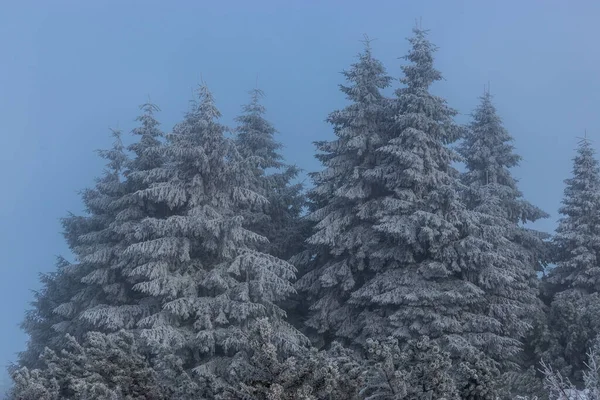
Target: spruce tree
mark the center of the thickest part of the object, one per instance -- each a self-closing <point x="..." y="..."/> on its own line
<point x="88" y="282"/>
<point x="280" y="220"/>
<point x="574" y="282"/>
<point x="420" y="287"/>
<point x="195" y="259"/>
<point x="104" y="301"/>
<point x="503" y="257"/>
<point x="337" y="259"/>
<point x="125" y="306"/>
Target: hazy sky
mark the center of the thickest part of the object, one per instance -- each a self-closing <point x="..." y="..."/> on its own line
<point x="70" y="70"/>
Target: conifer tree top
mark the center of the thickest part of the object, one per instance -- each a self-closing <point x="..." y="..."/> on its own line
<point x="577" y="237"/>
<point x="488" y="153"/>
<point x="487" y="148"/>
<point x="148" y="131"/>
<point x="368" y="76"/>
<point x="420" y="73"/>
<point x="255" y="135"/>
<point x="586" y="177"/>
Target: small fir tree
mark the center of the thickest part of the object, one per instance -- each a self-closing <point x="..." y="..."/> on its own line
<point x="573" y="284"/>
<point x="280" y="220"/>
<point x="502" y="257"/>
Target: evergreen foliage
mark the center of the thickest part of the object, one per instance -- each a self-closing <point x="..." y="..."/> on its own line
<point x="312" y="375"/>
<point x="195" y="260"/>
<point x="40" y="321"/>
<point x="337" y="260"/>
<point x="416" y="281"/>
<point x="420" y="371"/>
<point x="503" y="257"/>
<point x="104" y="298"/>
<point x="421" y="286"/>
<point x="572" y="285"/>
<point x="103" y="367"/>
<point x="280" y="220"/>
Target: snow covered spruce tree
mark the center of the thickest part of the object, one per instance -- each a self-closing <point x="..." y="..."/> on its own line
<point x="421" y="286"/>
<point x="113" y="274"/>
<point x="574" y="283"/>
<point x="503" y="257"/>
<point x="195" y="259"/>
<point x="105" y="300"/>
<point x="68" y="292"/>
<point x="280" y="220"/>
<point x="337" y="257"/>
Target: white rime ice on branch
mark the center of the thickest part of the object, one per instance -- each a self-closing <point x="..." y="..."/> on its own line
<point x="501" y="256"/>
<point x="419" y="287"/>
<point x="117" y="305"/>
<point x="338" y="258"/>
<point x="280" y="219"/>
<point x="163" y="253"/>
<point x="102" y="367"/>
<point x="573" y="285"/>
<point x="193" y="259"/>
<point x="92" y="239"/>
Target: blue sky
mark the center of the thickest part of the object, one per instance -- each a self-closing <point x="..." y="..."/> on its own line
<point x="70" y="70"/>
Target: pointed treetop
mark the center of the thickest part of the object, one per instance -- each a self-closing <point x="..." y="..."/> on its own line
<point x="486" y="106"/>
<point x="203" y="102"/>
<point x="420" y="74"/>
<point x="116" y="133"/>
<point x="115" y="155"/>
<point x="367" y="75"/>
<point x="584" y="139"/>
<point x="205" y="105"/>
<point x="585" y="161"/>
<point x="149" y="133"/>
<point x="149" y="124"/>
<point x="419" y="23"/>
<point x="367" y="41"/>
<point x="487" y="89"/>
<point x="254" y="107"/>
<point x="254" y="134"/>
<point x="149" y="107"/>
